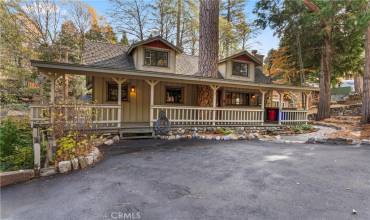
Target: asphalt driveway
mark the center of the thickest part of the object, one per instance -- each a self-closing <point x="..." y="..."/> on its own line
<point x="153" y="179"/>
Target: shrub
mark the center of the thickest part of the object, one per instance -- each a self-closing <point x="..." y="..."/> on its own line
<point x="74" y="145"/>
<point x="224" y="131"/>
<point x="22" y="158"/>
<point x="15" y="145"/>
<point x="14" y="133"/>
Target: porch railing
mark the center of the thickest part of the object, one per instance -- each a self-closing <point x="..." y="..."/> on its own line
<point x="192" y="115"/>
<point x="97" y="115"/>
<point x="293" y="116"/>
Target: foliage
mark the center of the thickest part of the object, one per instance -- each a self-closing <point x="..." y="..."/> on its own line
<point x="15" y="144"/>
<point x="302" y="128"/>
<point x="73" y="145"/>
<point x="21" y="158"/>
<point x="301" y="33"/>
<point x="14" y="133"/>
<point x="225" y="131"/>
<point x="341" y="91"/>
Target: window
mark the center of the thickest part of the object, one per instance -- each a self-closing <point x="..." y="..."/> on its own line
<point x="174" y="95"/>
<point x="156" y="58"/>
<point x="237" y="98"/>
<point x="113" y="92"/>
<point x="240" y="69"/>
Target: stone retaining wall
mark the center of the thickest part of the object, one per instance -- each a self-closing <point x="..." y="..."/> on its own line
<point x="346" y="110"/>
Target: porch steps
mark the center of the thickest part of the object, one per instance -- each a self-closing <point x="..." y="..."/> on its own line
<point x="136" y="133"/>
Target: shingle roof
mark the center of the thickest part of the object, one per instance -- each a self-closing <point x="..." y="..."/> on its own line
<point x="107" y="55"/>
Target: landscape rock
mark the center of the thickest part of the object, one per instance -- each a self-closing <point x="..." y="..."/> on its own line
<point x="89" y="159"/>
<point x="47" y="171"/>
<point x="116" y="139"/>
<point x="365" y="142"/>
<point x="64" y="166"/>
<point x="83" y="162"/>
<point x="74" y="162"/>
<point x="109" y="142"/>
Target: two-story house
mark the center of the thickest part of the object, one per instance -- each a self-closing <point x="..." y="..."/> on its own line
<point x="131" y="85"/>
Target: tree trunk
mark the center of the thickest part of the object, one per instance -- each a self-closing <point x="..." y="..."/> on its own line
<point x="178" y="23"/>
<point x="359" y="82"/>
<point x="366" y="87"/>
<point x="205" y="96"/>
<point x="325" y="76"/>
<point x="208" y="38"/>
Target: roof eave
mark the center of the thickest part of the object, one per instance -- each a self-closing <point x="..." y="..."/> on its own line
<point x="149" y="74"/>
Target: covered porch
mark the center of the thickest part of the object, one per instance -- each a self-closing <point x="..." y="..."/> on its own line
<point x="133" y="100"/>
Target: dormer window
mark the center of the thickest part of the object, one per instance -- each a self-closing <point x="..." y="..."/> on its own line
<point x="240" y="69"/>
<point x="156" y="58"/>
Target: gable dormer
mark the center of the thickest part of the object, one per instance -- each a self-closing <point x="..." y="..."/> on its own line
<point x="240" y="66"/>
<point x="154" y="54"/>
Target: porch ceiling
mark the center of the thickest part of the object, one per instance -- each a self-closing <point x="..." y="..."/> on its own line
<point x="77" y="69"/>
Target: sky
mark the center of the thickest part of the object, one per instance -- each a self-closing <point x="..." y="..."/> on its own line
<point x="263" y="42"/>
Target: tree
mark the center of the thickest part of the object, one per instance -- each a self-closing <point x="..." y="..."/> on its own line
<point x="81" y="18"/>
<point x="179" y="13"/>
<point x="131" y="17"/>
<point x="164" y="21"/>
<point x="208" y="47"/>
<point x="322" y="36"/>
<point x="234" y="30"/>
<point x="124" y="39"/>
<point x="366" y="87"/>
<point x="208" y="38"/>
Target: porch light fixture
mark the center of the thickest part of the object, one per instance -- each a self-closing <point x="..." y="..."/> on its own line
<point x="133" y="90"/>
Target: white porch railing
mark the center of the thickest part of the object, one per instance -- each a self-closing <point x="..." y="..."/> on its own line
<point x="97" y="115"/>
<point x="293" y="116"/>
<point x="192" y="115"/>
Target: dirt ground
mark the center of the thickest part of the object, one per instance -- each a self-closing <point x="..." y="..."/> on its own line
<point x="350" y="127"/>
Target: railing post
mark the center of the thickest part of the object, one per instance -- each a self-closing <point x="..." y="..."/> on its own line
<point x="36" y="149"/>
<point x="214" y="104"/>
<point x="119" y="82"/>
<point x="280" y="106"/>
<point x="263" y="105"/>
<point x="152" y="84"/>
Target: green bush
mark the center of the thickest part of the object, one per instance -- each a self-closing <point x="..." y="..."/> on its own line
<point x="225" y="131"/>
<point x="15" y="144"/>
<point x="302" y="127"/>
<point x="22" y="158"/>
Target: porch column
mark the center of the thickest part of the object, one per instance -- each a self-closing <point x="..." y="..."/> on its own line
<point x="119" y="82"/>
<point x="214" y="104"/>
<point x="152" y="84"/>
<point x="51" y="141"/>
<point x="280" y="105"/>
<point x="263" y="92"/>
<point x="36" y="150"/>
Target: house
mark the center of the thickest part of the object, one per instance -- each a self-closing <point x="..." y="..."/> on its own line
<point x="132" y="85"/>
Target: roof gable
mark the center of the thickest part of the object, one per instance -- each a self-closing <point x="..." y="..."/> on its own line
<point x="155" y="42"/>
<point x="243" y="56"/>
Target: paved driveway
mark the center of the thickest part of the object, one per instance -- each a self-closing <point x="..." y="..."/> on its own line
<point x="152" y="179"/>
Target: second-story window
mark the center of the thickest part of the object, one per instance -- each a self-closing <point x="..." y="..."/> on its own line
<point x="156" y="58"/>
<point x="240" y="69"/>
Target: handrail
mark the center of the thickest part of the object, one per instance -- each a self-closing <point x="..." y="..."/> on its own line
<point x="206" y="108"/>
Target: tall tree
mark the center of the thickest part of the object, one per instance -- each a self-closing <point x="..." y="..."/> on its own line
<point x="208" y="47"/>
<point x="131" y="16"/>
<point x="208" y="38"/>
<point x="366" y="87"/>
<point x="326" y="60"/>
<point x="179" y="13"/>
<point x="164" y="22"/>
<point x="81" y="18"/>
<point x="232" y="13"/>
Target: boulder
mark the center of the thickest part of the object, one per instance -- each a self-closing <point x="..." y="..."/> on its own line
<point x="47" y="171"/>
<point x="74" y="162"/>
<point x="90" y="160"/>
<point x="116" y="139"/>
<point x="365" y="142"/>
<point x="64" y="166"/>
<point x="83" y="162"/>
<point x="109" y="142"/>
